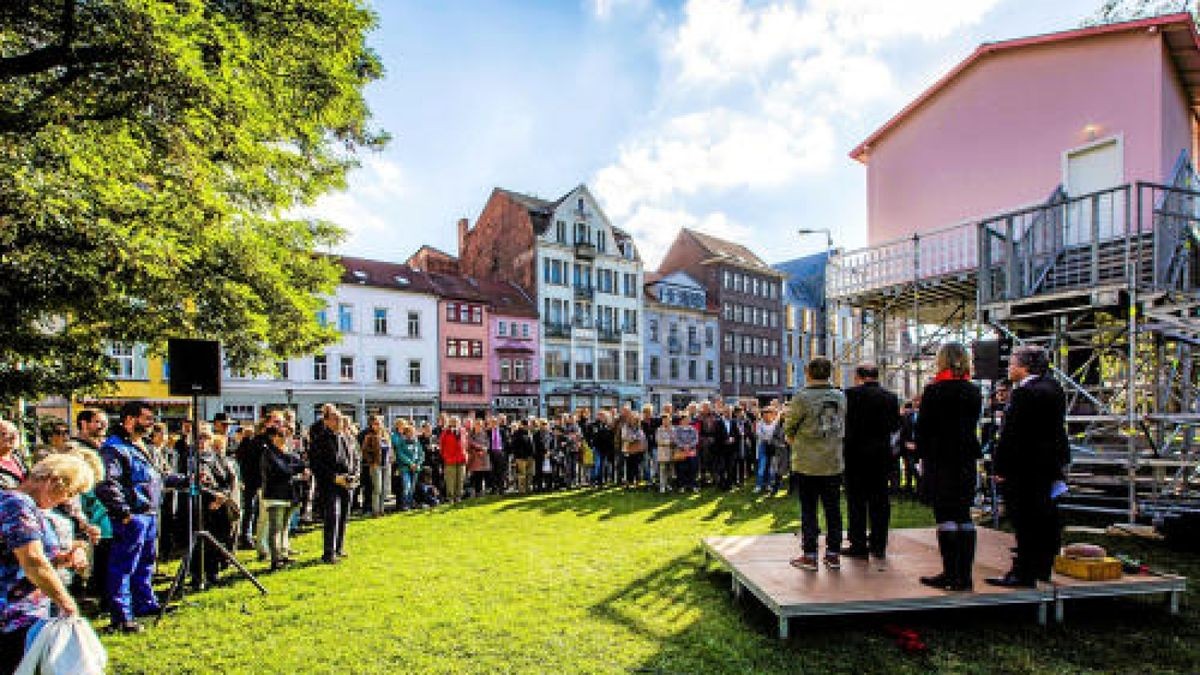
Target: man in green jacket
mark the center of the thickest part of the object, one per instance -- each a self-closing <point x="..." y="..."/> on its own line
<point x="814" y="427"/>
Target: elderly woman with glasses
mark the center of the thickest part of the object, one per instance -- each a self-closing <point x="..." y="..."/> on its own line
<point x="30" y="550"/>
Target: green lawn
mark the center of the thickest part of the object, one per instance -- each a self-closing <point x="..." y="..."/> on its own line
<point x="608" y="581"/>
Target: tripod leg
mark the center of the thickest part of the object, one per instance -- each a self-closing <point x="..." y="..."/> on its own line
<point x="232" y="560"/>
<point x="176" y="587"/>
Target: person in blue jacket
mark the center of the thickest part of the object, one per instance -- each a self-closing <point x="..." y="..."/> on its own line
<point x="131" y="493"/>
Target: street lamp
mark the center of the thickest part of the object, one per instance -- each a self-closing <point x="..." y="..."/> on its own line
<point x="824" y="285"/>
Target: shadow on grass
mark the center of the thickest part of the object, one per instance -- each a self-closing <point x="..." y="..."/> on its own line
<point x="724" y="508"/>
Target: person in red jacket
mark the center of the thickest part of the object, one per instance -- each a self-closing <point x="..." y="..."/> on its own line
<point x="454" y="456"/>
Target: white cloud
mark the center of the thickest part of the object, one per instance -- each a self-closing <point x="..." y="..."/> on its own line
<point x="365" y="208"/>
<point x="755" y="97"/>
<point x="654" y="228"/>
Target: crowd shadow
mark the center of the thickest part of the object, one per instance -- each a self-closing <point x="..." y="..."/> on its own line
<point x="725" y="508"/>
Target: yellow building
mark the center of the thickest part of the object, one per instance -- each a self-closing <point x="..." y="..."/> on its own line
<point x="138" y="376"/>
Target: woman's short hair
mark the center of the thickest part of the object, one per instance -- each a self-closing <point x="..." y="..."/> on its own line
<point x="69" y="471"/>
<point x="953" y="356"/>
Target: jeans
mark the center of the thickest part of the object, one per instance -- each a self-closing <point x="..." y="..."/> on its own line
<point x="762" y="474"/>
<point x="598" y="470"/>
<point x="408" y="484"/>
<point x="827" y="491"/>
<point x="381" y="478"/>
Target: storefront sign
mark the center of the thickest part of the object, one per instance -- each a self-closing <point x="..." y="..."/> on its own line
<point x="514" y="402"/>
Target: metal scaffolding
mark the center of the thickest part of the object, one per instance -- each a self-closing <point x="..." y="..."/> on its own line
<point x="1107" y="282"/>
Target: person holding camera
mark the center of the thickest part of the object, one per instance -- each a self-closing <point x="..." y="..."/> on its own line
<point x="335" y="467"/>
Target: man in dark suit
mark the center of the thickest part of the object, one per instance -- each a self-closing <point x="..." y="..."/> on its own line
<point x="334" y="468"/>
<point x="872" y="416"/>
<point x="1030" y="457"/>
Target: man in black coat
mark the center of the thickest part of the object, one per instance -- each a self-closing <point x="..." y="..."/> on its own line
<point x="872" y="416"/>
<point x="1031" y="454"/>
<point x="335" y="468"/>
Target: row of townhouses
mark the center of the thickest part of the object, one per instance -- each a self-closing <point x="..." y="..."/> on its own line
<point x="546" y="308"/>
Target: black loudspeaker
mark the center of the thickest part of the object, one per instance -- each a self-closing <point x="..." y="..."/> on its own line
<point x="986" y="360"/>
<point x="195" y="367"/>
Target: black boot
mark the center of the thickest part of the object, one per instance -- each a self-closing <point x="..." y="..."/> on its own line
<point x="947" y="546"/>
<point x="964" y="560"/>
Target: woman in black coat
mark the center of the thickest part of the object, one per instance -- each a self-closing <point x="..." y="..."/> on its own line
<point x="281" y="492"/>
<point x="948" y="447"/>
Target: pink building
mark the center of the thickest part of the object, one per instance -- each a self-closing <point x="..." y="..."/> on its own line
<point x="1085" y="109"/>
<point x="513" y="363"/>
<point x="1036" y="146"/>
<point x="463" y="319"/>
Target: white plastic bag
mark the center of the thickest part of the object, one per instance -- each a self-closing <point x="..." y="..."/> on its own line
<point x="64" y="646"/>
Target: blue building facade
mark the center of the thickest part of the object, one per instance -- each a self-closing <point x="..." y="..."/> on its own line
<point x="805" y="324"/>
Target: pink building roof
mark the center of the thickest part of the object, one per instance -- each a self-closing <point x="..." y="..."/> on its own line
<point x="1180" y="36"/>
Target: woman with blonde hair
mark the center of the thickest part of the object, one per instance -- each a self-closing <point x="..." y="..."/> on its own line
<point x="948" y="448"/>
<point x="30" y="551"/>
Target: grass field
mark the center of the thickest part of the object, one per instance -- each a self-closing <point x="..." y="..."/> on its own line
<point x="609" y="581"/>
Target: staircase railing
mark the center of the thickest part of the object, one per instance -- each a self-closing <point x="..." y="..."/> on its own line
<point x="1020" y="249"/>
<point x="1175" y="217"/>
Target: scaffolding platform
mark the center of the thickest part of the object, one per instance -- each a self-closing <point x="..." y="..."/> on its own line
<point x="760" y="564"/>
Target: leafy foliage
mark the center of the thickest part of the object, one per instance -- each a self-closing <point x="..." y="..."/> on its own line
<point x="1116" y="11"/>
<point x="149" y="151"/>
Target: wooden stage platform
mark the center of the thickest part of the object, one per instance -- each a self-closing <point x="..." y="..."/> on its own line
<point x="759" y="564"/>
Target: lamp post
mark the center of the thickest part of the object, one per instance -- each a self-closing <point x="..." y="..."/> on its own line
<point x="824" y="334"/>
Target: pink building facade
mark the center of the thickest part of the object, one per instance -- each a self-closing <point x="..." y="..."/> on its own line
<point x="513" y="361"/>
<point x="463" y="321"/>
<point x="1085" y="110"/>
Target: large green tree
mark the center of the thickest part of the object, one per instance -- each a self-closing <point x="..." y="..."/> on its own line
<point x="150" y="151"/>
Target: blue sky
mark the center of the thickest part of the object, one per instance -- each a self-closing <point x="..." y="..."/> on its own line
<point x="731" y="116"/>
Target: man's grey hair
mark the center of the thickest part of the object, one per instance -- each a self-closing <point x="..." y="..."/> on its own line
<point x="1032" y="358"/>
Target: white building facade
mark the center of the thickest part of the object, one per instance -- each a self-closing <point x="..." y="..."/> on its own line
<point x="681" y="343"/>
<point x="385" y="363"/>
<point x="589" y="281"/>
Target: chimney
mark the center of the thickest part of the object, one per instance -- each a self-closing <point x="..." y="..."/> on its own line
<point x="462" y="235"/>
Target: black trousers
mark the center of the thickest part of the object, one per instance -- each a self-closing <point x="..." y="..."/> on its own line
<point x="723" y="468"/>
<point x="218" y="524"/>
<point x="1034" y="517"/>
<point x="334" y="516"/>
<point x="867" y="503"/>
<point x="499" y="476"/>
<point x="249" y="510"/>
<point x="825" y="490"/>
<point x="633" y="467"/>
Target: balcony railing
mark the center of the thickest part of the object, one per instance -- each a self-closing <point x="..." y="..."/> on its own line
<point x="608" y="335"/>
<point x="510" y="388"/>
<point x="581" y="214"/>
<point x="583" y="322"/>
<point x="585" y="292"/>
<point x="558" y="330"/>
<point x="585" y="249"/>
<point x="693" y="347"/>
<point x="901" y="261"/>
<point x="674" y="346"/>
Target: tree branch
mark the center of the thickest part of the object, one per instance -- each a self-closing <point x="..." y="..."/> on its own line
<point x="58" y="56"/>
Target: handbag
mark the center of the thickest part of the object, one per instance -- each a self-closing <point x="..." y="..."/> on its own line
<point x="66" y="646"/>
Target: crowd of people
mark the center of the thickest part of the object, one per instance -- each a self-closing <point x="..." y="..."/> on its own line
<point x="86" y="514"/>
